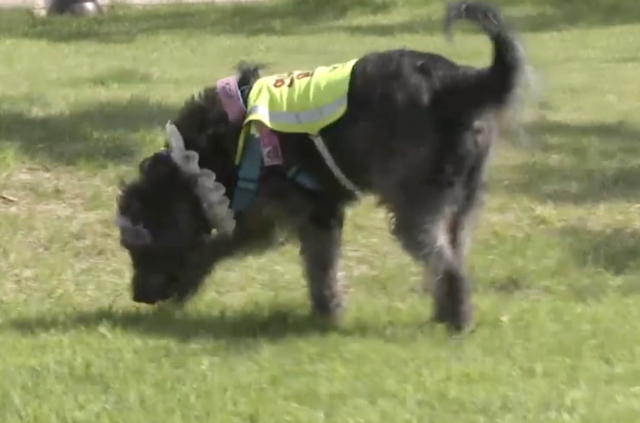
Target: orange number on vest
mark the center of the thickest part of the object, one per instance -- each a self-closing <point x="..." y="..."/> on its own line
<point x="303" y="75"/>
<point x="279" y="83"/>
<point x="282" y="80"/>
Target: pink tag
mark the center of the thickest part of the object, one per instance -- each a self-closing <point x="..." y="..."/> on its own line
<point x="271" y="152"/>
<point x="230" y="97"/>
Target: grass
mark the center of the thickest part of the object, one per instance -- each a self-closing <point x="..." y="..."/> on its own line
<point x="556" y="258"/>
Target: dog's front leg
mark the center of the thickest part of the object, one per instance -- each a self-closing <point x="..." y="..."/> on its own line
<point x="320" y="243"/>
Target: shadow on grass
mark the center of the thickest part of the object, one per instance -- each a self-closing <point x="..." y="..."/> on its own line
<point x="581" y="163"/>
<point x="542" y="16"/>
<point x="118" y="76"/>
<point x="616" y="250"/>
<point x="277" y="323"/>
<point x="95" y="133"/>
<point x="289" y="17"/>
<point x="123" y="24"/>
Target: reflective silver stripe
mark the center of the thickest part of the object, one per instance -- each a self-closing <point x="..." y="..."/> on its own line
<point x="293" y="118"/>
<point x="324" y="152"/>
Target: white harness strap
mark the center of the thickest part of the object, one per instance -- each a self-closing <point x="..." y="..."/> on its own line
<point x="324" y="152"/>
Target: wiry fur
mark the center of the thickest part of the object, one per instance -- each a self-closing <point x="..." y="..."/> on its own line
<point x="417" y="135"/>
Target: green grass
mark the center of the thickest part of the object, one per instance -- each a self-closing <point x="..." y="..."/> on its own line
<point x="556" y="257"/>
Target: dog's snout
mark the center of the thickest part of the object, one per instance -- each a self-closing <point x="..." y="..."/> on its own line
<point x="141" y="298"/>
<point x="149" y="288"/>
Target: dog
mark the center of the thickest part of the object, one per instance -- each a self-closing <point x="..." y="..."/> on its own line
<point x="415" y="131"/>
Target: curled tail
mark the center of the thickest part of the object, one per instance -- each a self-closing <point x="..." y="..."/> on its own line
<point x="472" y="91"/>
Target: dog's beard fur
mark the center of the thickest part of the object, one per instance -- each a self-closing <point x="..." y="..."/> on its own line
<point x="417" y="135"/>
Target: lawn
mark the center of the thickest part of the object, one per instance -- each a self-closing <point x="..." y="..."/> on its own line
<point x="556" y="257"/>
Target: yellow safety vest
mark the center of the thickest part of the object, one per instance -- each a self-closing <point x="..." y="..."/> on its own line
<point x="298" y="102"/>
<point x="301" y="101"/>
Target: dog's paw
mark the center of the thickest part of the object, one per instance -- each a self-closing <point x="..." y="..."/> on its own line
<point x="329" y="319"/>
<point x="458" y="318"/>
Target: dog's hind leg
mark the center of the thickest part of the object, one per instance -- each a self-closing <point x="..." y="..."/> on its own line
<point x="471" y="196"/>
<point x="463" y="219"/>
<point x="423" y="228"/>
<point x="320" y="242"/>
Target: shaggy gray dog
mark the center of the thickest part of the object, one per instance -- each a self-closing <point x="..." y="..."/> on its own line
<point x="416" y="134"/>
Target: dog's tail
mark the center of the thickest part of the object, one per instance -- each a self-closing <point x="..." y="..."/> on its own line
<point x="472" y="91"/>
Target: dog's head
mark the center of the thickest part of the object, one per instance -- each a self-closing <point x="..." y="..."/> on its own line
<point x="166" y="215"/>
<point x="165" y="218"/>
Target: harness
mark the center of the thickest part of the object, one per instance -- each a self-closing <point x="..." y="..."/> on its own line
<point x="258" y="147"/>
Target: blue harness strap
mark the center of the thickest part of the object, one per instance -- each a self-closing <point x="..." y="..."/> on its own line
<point x="250" y="169"/>
<point x="303" y="178"/>
<point x="248" y="173"/>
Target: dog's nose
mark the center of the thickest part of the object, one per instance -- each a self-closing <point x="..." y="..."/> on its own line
<point x="147" y="288"/>
<point x="141" y="299"/>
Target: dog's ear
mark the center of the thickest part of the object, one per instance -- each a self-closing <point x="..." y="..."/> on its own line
<point x="248" y="73"/>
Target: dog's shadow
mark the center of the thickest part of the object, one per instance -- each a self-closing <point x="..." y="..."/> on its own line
<point x="233" y="327"/>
